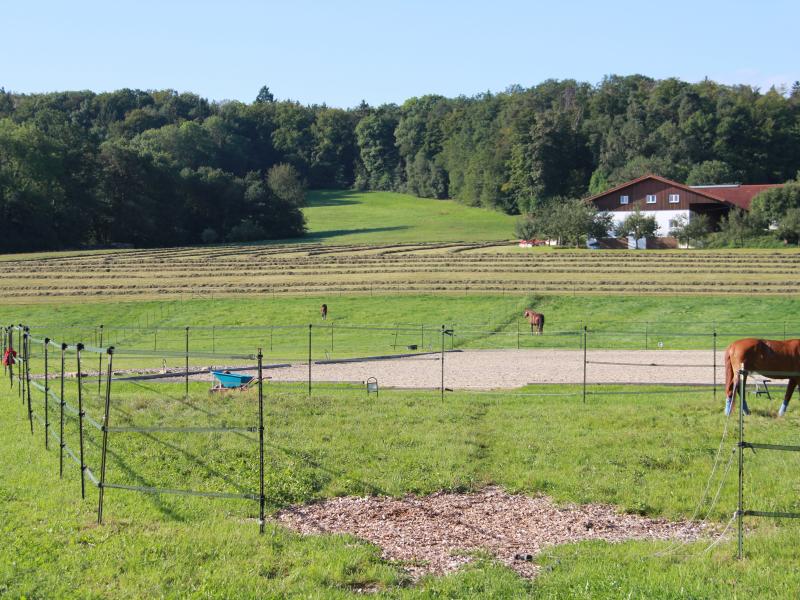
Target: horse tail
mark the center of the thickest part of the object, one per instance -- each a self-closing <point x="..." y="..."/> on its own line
<point x="729" y="376"/>
<point x="541" y="323"/>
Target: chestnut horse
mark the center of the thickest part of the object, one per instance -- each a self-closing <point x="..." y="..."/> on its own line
<point x="323" y="311"/>
<point x="771" y="358"/>
<point x="536" y="320"/>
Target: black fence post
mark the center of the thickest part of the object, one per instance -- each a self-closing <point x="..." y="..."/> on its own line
<point x="309" y="358"/>
<point x="61" y="417"/>
<point x="261" y="498"/>
<point x="422" y="338"/>
<point x="518" y="334"/>
<point x="100" y="367"/>
<point x="102" y="483"/>
<point x="714" y="350"/>
<point x="187" y="364"/>
<point x="20" y="371"/>
<point x="740" y="509"/>
<point x="46" y="394"/>
<point x="26" y="342"/>
<point x="585" y="341"/>
<point x="442" y="360"/>
<point x="81" y="414"/>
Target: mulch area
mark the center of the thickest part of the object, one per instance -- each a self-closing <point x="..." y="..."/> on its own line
<point x="436" y="534"/>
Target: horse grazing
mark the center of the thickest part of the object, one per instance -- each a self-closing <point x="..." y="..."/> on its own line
<point x="536" y="320"/>
<point x="772" y="358"/>
<point x="323" y="311"/>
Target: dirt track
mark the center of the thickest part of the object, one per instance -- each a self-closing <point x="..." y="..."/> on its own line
<point x="493" y="369"/>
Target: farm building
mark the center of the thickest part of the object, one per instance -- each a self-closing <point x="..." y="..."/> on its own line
<point x="666" y="199"/>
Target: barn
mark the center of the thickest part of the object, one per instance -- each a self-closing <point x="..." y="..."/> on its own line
<point x="666" y="200"/>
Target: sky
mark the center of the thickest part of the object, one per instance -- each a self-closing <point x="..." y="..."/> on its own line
<point x="342" y="52"/>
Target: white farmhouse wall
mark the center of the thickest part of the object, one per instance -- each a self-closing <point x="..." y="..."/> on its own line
<point x="663" y="217"/>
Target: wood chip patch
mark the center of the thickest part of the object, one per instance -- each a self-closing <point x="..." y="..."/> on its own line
<point x="437" y="534"/>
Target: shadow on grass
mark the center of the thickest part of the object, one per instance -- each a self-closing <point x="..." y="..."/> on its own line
<point x="331" y="233"/>
<point x="323" y="198"/>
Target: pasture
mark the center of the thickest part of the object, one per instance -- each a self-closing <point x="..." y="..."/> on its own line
<point x="644" y="450"/>
<point x="337" y="217"/>
<point x="645" y="457"/>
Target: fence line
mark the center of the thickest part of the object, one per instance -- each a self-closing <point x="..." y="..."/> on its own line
<point x="741" y="512"/>
<point x="27" y="383"/>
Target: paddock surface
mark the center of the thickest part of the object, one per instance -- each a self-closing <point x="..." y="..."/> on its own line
<point x="497" y="369"/>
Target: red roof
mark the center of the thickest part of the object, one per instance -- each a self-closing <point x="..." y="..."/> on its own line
<point x="739" y="195"/>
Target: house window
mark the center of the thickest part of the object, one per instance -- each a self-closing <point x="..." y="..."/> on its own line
<point x="623" y="199"/>
<point x="651" y="198"/>
<point x="674" y="198"/>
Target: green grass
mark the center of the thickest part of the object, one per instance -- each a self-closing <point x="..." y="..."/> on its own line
<point x="648" y="454"/>
<point x="480" y="321"/>
<point x="348" y="217"/>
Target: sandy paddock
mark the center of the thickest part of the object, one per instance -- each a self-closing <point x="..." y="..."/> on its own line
<point x="496" y="369"/>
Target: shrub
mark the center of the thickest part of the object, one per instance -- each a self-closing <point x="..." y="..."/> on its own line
<point x="246" y="231"/>
<point x="209" y="236"/>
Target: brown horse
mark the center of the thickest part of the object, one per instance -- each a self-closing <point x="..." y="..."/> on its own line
<point x="323" y="311"/>
<point x="536" y="320"/>
<point x="772" y="358"/>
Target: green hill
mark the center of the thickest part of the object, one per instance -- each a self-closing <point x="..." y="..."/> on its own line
<point x="348" y="217"/>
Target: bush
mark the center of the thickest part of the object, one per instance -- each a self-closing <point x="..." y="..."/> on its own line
<point x="209" y="236"/>
<point x="687" y="230"/>
<point x="246" y="231"/>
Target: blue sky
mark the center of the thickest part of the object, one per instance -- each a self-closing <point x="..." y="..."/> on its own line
<point x="340" y="52"/>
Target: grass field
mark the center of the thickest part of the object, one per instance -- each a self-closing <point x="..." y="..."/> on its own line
<point x="348" y="217"/>
<point x="378" y="325"/>
<point x="648" y="455"/>
<point x="393" y="269"/>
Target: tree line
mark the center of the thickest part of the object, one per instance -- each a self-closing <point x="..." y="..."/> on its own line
<point x="163" y="168"/>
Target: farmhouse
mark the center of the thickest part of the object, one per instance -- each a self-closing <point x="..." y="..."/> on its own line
<point x="666" y="200"/>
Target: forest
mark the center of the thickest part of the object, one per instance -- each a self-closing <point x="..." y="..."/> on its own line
<point x="163" y="168"/>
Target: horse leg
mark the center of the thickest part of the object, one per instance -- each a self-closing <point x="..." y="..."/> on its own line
<point x="789" y="391"/>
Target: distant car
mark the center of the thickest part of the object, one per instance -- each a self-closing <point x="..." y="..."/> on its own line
<point x="532" y="243"/>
